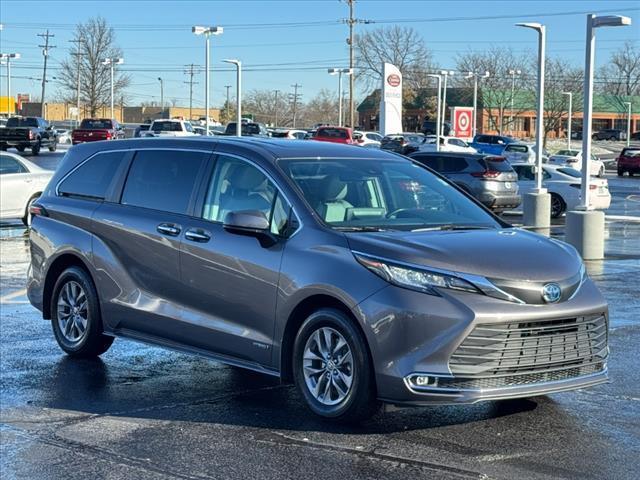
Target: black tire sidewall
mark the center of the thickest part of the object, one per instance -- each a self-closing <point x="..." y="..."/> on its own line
<point x="563" y="205"/>
<point x="35" y="150"/>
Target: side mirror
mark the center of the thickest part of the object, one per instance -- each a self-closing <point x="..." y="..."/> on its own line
<point x="252" y="223"/>
<point x="49" y="128"/>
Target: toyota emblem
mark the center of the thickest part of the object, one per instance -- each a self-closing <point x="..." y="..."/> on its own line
<point x="551" y="292"/>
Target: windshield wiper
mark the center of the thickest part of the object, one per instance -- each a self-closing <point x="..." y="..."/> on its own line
<point x="361" y="229"/>
<point x="451" y="226"/>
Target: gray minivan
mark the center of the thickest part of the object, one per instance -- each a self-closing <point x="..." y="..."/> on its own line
<point x="359" y="274"/>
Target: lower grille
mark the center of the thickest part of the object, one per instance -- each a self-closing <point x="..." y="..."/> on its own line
<point x="530" y="348"/>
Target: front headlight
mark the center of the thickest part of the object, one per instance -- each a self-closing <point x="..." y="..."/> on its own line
<point x="421" y="280"/>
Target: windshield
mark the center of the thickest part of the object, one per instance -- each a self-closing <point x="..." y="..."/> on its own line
<point x="358" y="194"/>
<point x="22" y="122"/>
<point x="572" y="172"/>
<point x="90" y="124"/>
<point x="568" y="153"/>
<point x="166" y="126"/>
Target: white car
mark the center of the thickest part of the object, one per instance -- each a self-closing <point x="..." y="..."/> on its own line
<point x="447" y="144"/>
<point x="368" y="139"/>
<point x="170" y="128"/>
<point x="290" y="133"/>
<point x="523" y="152"/>
<point x="64" y="136"/>
<point x="563" y="183"/>
<point x="573" y="159"/>
<point x="21" y="183"/>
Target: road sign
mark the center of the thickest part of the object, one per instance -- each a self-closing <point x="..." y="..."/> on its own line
<point x="463" y="121"/>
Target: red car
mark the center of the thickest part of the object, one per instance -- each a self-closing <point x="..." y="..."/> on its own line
<point x="629" y="161"/>
<point x="335" y="135"/>
<point x="95" y="129"/>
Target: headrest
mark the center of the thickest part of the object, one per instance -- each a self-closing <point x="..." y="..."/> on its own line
<point x="333" y="189"/>
<point x="246" y="178"/>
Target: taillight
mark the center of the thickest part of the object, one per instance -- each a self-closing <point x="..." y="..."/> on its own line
<point x="30" y="135"/>
<point x="486" y="174"/>
<point x="108" y="136"/>
<point x="578" y="186"/>
<point x="36" y="210"/>
<point x="572" y="160"/>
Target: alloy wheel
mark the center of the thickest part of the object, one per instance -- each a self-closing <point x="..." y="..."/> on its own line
<point x="73" y="312"/>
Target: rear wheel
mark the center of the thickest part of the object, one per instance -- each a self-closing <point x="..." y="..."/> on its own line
<point x="75" y="315"/>
<point x="20" y="149"/>
<point x="332" y="368"/>
<point x="601" y="172"/>
<point x="557" y="205"/>
<point x="612" y="138"/>
<point x="35" y="150"/>
<point x="621" y="173"/>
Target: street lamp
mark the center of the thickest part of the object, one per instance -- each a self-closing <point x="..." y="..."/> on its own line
<point x="570" y="95"/>
<point x="8" y="57"/>
<point x="475" y="95"/>
<point x="438" y="119"/>
<point x="161" y="97"/>
<point x="112" y="62"/>
<point x="628" y="123"/>
<point x="339" y="72"/>
<point x="446" y="74"/>
<point x="238" y="65"/>
<point x="537" y="205"/>
<point x="585" y="227"/>
<point x="207" y="32"/>
<point x="513" y="74"/>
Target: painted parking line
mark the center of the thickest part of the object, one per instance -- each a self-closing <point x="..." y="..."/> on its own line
<point x="16" y="297"/>
<point x="622" y="218"/>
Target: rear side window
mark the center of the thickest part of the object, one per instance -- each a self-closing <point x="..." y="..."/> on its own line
<point x="93" y="178"/>
<point x="163" y="180"/>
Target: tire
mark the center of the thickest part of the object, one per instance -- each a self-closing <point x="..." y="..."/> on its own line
<point x="601" y="172"/>
<point x="558" y="206"/>
<point x="82" y="339"/>
<point x="621" y="173"/>
<point x="613" y="139"/>
<point x="53" y="147"/>
<point x="359" y="402"/>
<point x="20" y="149"/>
<point x="35" y="150"/>
<point x="27" y="216"/>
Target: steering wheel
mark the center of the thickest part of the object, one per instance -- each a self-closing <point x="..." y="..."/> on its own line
<point x="396" y="212"/>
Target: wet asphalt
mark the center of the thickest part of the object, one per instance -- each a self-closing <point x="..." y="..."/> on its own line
<point x="140" y="412"/>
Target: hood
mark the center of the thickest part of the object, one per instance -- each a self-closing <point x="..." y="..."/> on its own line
<point x="505" y="256"/>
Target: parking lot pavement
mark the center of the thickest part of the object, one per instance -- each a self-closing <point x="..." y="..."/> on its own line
<point x="146" y="413"/>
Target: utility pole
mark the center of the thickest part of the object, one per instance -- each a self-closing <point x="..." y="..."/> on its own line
<point x="276" y="108"/>
<point x="351" y="77"/>
<point x="228" y="113"/>
<point x="191" y="72"/>
<point x="78" y="56"/>
<point x="45" y="53"/>
<point x="295" y="96"/>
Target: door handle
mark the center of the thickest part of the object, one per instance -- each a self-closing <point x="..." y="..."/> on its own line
<point x="200" y="236"/>
<point x="169" y="229"/>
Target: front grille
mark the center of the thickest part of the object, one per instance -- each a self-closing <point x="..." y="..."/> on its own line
<point x="528" y="348"/>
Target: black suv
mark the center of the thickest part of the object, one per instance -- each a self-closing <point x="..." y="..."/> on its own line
<point x="610" y="134"/>
<point x="429" y="128"/>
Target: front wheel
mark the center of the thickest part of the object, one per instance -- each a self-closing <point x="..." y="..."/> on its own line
<point x="601" y="172"/>
<point x="75" y="315"/>
<point x="53" y="147"/>
<point x="621" y="173"/>
<point x="332" y="368"/>
<point x="557" y="205"/>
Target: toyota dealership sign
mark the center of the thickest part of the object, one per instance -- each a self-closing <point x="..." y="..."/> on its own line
<point x="462" y="121"/>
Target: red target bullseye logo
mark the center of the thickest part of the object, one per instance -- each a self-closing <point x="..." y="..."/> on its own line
<point x="393" y="80"/>
<point x="463" y="120"/>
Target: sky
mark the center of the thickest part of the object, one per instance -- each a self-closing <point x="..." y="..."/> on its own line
<point x="281" y="43"/>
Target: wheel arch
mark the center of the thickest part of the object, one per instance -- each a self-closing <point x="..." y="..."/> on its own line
<point x="59" y="265"/>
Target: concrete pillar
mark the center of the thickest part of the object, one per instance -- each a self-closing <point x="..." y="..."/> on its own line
<point x="536" y="209"/>
<point x="585" y="231"/>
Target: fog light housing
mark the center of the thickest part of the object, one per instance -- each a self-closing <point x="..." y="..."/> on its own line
<point x="422" y="381"/>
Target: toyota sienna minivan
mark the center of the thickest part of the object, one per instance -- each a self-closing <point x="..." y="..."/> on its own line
<point x="360" y="275"/>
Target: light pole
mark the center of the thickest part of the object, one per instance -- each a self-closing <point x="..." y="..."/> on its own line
<point x="513" y="74"/>
<point x="207" y="32"/>
<point x="628" y="123"/>
<point x="161" y="96"/>
<point x="438" y="119"/>
<point x="585" y="227"/>
<point x="112" y="62"/>
<point x="339" y="72"/>
<point x="570" y="95"/>
<point x="238" y="65"/>
<point x="475" y="95"/>
<point x="8" y="57"/>
<point x="537" y="205"/>
<point x="446" y="74"/>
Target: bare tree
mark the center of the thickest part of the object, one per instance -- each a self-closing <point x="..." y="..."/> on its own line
<point x="496" y="91"/>
<point x="402" y="46"/>
<point x="323" y="108"/>
<point x="559" y="78"/>
<point x="96" y="41"/>
<point x="621" y="75"/>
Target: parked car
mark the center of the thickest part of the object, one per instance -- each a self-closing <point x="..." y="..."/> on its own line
<point x="21" y="183"/>
<point x="488" y="178"/>
<point x="523" y="152"/>
<point x="334" y="135"/>
<point x="573" y="159"/>
<point x="493" y="144"/>
<point x="249" y="129"/>
<point x="64" y="136"/>
<point x="97" y="129"/>
<point x="369" y="139"/>
<point x="447" y="144"/>
<point x="429" y="128"/>
<point x="289" y="133"/>
<point x="3" y="122"/>
<point x="635" y="136"/>
<point x="610" y="134"/>
<point x="357" y="274"/>
<point x="34" y="133"/>
<point x="170" y="128"/>
<point x="140" y="129"/>
<point x="629" y="161"/>
<point x="404" y="143"/>
<point x="563" y="184"/>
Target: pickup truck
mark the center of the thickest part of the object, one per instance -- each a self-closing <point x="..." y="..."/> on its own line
<point x="28" y="132"/>
<point x="96" y="129"/>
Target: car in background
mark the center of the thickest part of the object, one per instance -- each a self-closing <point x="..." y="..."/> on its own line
<point x="635" y="136"/>
<point x="488" y="178"/>
<point x="523" y="152"/>
<point x="3" y="122"/>
<point x="249" y="129"/>
<point x="334" y="135"/>
<point x="289" y="133"/>
<point x="140" y="129"/>
<point x="629" y="161"/>
<point x="97" y="129"/>
<point x="493" y="144"/>
<point x="612" y="134"/>
<point x="403" y="143"/>
<point x="64" y="136"/>
<point x="170" y="128"/>
<point x="33" y="133"/>
<point x="369" y="139"/>
<point x="563" y="184"/>
<point x="429" y="128"/>
<point x="573" y="159"/>
<point x="21" y="183"/>
<point x="447" y="144"/>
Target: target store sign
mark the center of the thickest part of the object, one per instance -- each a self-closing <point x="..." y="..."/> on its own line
<point x="463" y="122"/>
